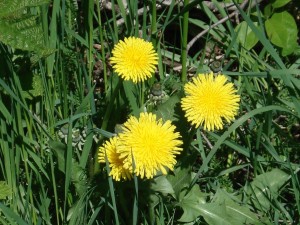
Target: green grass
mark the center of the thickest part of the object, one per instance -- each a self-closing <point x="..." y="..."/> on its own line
<point x="59" y="102"/>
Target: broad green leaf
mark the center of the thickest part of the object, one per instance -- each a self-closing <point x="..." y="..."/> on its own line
<point x="162" y="185"/>
<point x="224" y="209"/>
<point x="36" y="87"/>
<point x="166" y="111"/>
<point x="282" y="30"/>
<point x="237" y="213"/>
<point x="268" y="10"/>
<point x="265" y="187"/>
<point x="21" y="29"/>
<point x="279" y="3"/>
<point x="192" y="204"/>
<point x="59" y="150"/>
<point x="290" y="50"/>
<point x="5" y="190"/>
<point x="246" y="36"/>
<point x="25" y="35"/>
<point x="179" y="179"/>
<point x="8" y="7"/>
<point x="215" y="214"/>
<point x="79" y="178"/>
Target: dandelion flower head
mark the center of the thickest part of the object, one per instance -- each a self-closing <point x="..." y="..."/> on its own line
<point x="209" y="101"/>
<point x="134" y="59"/>
<point x="151" y="144"/>
<point x="108" y="150"/>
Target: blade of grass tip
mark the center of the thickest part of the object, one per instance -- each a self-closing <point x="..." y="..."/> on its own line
<point x="185" y="26"/>
<point x="112" y="191"/>
<point x="226" y="134"/>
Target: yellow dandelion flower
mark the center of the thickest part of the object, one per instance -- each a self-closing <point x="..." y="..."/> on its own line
<point x="117" y="171"/>
<point x="209" y="101"/>
<point x="151" y="143"/>
<point x="134" y="59"/>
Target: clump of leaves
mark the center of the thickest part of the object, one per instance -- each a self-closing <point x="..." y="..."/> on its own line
<point x="20" y="28"/>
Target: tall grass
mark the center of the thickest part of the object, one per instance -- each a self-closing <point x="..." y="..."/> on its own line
<point x="55" y="113"/>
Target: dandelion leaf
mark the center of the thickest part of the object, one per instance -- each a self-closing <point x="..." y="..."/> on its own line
<point x="221" y="210"/>
<point x="235" y="211"/>
<point x="192" y="204"/>
<point x="59" y="150"/>
<point x="162" y="184"/>
<point x="36" y="88"/>
<point x="79" y="178"/>
<point x="166" y="111"/>
<point x="265" y="187"/>
<point x="179" y="179"/>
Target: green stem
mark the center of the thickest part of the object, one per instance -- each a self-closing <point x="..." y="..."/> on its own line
<point x="102" y="47"/>
<point x="142" y="93"/>
<point x="153" y="32"/>
<point x="153" y="23"/>
<point x="184" y="42"/>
